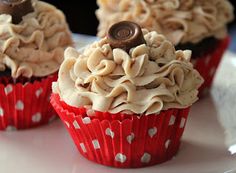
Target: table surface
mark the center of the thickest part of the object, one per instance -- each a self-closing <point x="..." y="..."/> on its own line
<point x="210" y="131"/>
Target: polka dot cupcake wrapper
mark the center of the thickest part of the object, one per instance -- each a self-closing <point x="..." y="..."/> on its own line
<point x="27" y="105"/>
<point x="207" y="65"/>
<point x="121" y="141"/>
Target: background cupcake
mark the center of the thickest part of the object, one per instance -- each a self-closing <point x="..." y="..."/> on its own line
<point x="33" y="36"/>
<point x="125" y="99"/>
<point x="198" y="25"/>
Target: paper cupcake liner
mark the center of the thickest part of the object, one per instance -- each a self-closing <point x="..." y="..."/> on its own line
<point x="25" y="105"/>
<point x="123" y="141"/>
<point x="208" y="64"/>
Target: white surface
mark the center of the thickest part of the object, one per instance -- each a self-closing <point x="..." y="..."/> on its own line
<point x="49" y="149"/>
<point x="224" y="96"/>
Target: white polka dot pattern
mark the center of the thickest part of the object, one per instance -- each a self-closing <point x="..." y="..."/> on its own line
<point x="19" y="105"/>
<point x="130" y="138"/>
<point x="86" y="120"/>
<point x="38" y="92"/>
<point x="120" y="158"/>
<point x="37" y="117"/>
<point x="67" y="124"/>
<point x="90" y="112"/>
<point x="122" y="143"/>
<point x="11" y="128"/>
<point x="182" y="123"/>
<point x="172" y="120"/>
<point x="25" y="106"/>
<point x="1" y="112"/>
<point x="152" y="132"/>
<point x="96" y="144"/>
<point x="76" y="125"/>
<point x="8" y="89"/>
<point x="167" y="143"/>
<point x="82" y="146"/>
<point x="110" y="133"/>
<point x="146" y="158"/>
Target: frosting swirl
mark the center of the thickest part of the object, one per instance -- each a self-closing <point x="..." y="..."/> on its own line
<point x="150" y="78"/>
<point x="35" y="46"/>
<point x="181" y="21"/>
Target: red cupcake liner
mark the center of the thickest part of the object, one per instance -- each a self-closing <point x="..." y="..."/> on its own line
<point x="208" y="64"/>
<point x="25" y="105"/>
<point x="121" y="140"/>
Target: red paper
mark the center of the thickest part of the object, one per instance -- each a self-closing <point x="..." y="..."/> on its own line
<point x="207" y="65"/>
<point x="26" y="105"/>
<point x="121" y="140"/>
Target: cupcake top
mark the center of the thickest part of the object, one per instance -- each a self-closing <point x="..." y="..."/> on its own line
<point x="128" y="71"/>
<point x="181" y="21"/>
<point x="32" y="44"/>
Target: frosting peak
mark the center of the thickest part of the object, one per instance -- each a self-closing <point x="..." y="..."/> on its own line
<point x="181" y="21"/>
<point x="149" y="78"/>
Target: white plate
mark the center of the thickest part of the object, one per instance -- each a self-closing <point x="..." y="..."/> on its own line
<point x="49" y="149"/>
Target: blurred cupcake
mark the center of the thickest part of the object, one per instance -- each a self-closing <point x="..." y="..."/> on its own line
<point x="33" y="36"/>
<point x="125" y="99"/>
<point x="197" y="25"/>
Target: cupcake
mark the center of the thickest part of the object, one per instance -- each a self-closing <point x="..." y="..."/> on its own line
<point x="197" y="25"/>
<point x="125" y="99"/>
<point x="33" y="36"/>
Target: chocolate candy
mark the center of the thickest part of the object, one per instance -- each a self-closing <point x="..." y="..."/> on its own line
<point x="16" y="8"/>
<point x="125" y="35"/>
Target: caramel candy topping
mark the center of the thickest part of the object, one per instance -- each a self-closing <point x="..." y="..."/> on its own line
<point x="16" y="8"/>
<point x="125" y="35"/>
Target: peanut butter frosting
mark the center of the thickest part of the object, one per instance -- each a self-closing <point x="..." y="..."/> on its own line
<point x="35" y="46"/>
<point x="150" y="78"/>
<point x="181" y="21"/>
